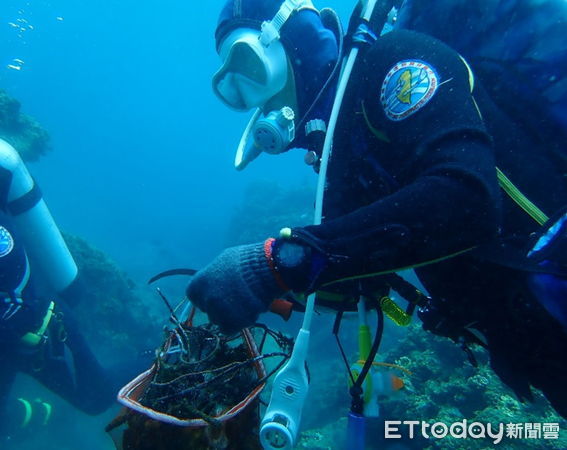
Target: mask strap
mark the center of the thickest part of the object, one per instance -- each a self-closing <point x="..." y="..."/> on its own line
<point x="271" y="28"/>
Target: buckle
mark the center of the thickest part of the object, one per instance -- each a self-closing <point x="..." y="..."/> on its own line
<point x="363" y="36"/>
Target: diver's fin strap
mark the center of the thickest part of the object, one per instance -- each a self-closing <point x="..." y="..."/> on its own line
<point x="520" y="199"/>
<point x="26" y="201"/>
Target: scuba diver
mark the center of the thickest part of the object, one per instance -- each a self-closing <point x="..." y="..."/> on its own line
<point x="38" y="282"/>
<point x="425" y="170"/>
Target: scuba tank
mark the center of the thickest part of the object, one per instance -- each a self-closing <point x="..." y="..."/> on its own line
<point x="43" y="241"/>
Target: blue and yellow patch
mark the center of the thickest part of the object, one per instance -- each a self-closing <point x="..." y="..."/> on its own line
<point x="408" y="86"/>
<point x="6" y="242"/>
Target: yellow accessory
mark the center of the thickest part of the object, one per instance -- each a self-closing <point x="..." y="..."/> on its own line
<point x="520" y="199"/>
<point x="394" y="312"/>
<point x="285" y="233"/>
<point x="398" y="269"/>
<point x="27" y="413"/>
<point x="48" y="410"/>
<point x="364" y="346"/>
<point x="364" y="341"/>
<point x="33" y="338"/>
<point x="511" y="190"/>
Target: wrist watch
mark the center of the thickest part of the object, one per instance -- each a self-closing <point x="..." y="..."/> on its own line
<point x="293" y="263"/>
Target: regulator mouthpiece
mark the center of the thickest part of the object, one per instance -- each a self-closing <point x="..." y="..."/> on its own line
<point x="276" y="435"/>
<point x="273" y="133"/>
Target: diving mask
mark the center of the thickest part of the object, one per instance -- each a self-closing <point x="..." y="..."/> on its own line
<point x="252" y="71"/>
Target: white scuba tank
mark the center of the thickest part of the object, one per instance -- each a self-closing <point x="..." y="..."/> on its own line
<point x="44" y="244"/>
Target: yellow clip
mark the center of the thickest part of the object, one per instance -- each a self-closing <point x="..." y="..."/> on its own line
<point x="34" y="337"/>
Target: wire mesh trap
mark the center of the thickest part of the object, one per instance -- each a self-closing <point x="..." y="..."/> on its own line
<point x="202" y="390"/>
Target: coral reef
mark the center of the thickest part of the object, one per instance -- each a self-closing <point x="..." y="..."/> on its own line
<point x="444" y="387"/>
<point x="21" y="131"/>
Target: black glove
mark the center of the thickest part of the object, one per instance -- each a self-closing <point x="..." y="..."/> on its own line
<point x="237" y="286"/>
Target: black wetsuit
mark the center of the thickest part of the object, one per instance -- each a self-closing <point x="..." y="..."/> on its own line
<point x="408" y="190"/>
<point x="62" y="361"/>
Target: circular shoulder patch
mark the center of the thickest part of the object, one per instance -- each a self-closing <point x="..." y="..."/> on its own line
<point x="408" y="86"/>
<point x="6" y="242"/>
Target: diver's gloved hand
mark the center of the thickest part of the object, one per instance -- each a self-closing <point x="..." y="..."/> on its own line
<point x="236" y="286"/>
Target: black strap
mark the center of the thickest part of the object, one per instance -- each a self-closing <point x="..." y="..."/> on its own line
<point x="26" y="201"/>
<point x="356" y="390"/>
<point x="5" y="181"/>
<point x="336" y="327"/>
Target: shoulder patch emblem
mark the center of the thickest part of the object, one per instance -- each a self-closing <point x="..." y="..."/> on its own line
<point x="408" y="86"/>
<point x="6" y="242"/>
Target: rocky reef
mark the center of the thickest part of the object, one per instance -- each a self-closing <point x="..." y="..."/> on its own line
<point x="443" y="387"/>
<point x="23" y="132"/>
<point x="252" y="222"/>
<point x="113" y="313"/>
